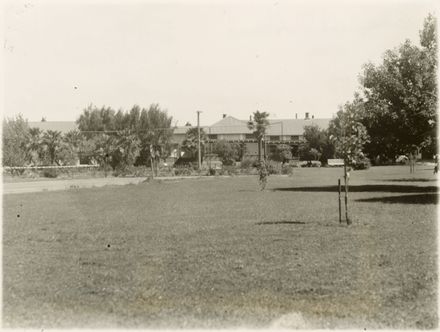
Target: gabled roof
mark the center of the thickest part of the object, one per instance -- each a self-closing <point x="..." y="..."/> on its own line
<point x="62" y="126"/>
<point x="230" y="125"/>
<point x="181" y="130"/>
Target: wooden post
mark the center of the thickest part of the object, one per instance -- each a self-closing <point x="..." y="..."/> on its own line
<point x="347" y="219"/>
<point x="339" y="199"/>
<point x="151" y="161"/>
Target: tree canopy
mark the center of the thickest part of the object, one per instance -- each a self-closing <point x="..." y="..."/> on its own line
<point x="400" y="97"/>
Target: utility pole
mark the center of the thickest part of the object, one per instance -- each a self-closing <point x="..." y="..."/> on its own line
<point x="198" y="141"/>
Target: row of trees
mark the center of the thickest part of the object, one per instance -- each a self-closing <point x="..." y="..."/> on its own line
<point x="24" y="146"/>
<point x="111" y="139"/>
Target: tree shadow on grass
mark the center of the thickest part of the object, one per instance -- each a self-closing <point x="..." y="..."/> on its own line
<point x="410" y="180"/>
<point x="403" y="199"/>
<point x="281" y="222"/>
<point x="392" y="188"/>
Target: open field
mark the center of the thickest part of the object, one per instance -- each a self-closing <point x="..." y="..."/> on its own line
<point x="217" y="252"/>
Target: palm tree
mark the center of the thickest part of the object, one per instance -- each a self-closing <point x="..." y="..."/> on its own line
<point x="190" y="144"/>
<point x="259" y="125"/>
<point x="52" y="140"/>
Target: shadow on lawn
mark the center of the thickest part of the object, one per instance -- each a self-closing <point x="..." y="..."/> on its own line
<point x="392" y="188"/>
<point x="281" y="222"/>
<point x="404" y="199"/>
<point x="409" y="180"/>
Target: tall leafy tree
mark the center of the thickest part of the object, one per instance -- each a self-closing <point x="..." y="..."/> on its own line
<point x="317" y="144"/>
<point x="16" y="142"/>
<point x="400" y="97"/>
<point x="155" y="133"/>
<point x="259" y="124"/>
<point x="229" y="153"/>
<point x="190" y="143"/>
<point x="283" y="153"/>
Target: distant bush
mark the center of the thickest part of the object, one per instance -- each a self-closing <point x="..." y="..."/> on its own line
<point x="286" y="169"/>
<point x="274" y="167"/>
<point x="230" y="170"/>
<point x="132" y="171"/>
<point x="50" y="173"/>
<point x="211" y="172"/>
<point x="183" y="171"/>
<point x="362" y="163"/>
<point x="247" y="163"/>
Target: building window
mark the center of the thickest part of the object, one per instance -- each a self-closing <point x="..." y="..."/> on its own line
<point x="274" y="138"/>
<point x="249" y="136"/>
<point x="212" y="136"/>
<point x="294" y="138"/>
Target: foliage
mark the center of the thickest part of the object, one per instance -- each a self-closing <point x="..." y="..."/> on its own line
<point x="247" y="163"/>
<point x="50" y="173"/>
<point x="263" y="173"/>
<point x="51" y="141"/>
<point x="149" y="130"/>
<point x="190" y="144"/>
<point x="308" y="153"/>
<point x="317" y="144"/>
<point x="282" y="154"/>
<point x="362" y="163"/>
<point x="16" y="141"/>
<point x="259" y="124"/>
<point x="228" y="153"/>
<point x="400" y="97"/>
<point x="347" y="133"/>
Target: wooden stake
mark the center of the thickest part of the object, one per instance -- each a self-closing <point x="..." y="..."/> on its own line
<point x="339" y="200"/>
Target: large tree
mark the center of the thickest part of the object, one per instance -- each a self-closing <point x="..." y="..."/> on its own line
<point x="317" y="144"/>
<point x="259" y="125"/>
<point x="16" y="142"/>
<point x="190" y="143"/>
<point x="229" y="153"/>
<point x="400" y="98"/>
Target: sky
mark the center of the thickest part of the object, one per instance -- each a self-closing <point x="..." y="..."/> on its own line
<point x="217" y="57"/>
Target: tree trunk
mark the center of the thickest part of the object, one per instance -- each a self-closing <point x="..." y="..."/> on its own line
<point x="259" y="149"/>
<point x="152" y="167"/>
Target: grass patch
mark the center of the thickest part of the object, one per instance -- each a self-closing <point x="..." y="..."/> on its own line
<point x="219" y="252"/>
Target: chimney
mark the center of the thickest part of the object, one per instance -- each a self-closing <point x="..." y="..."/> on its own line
<point x="313" y="116"/>
<point x="250" y="118"/>
<point x="224" y="116"/>
<point x="296" y="115"/>
<point x="307" y="116"/>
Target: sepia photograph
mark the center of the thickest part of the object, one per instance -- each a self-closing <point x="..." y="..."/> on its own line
<point x="188" y="164"/>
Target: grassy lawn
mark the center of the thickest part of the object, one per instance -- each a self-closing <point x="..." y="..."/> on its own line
<point x="217" y="252"/>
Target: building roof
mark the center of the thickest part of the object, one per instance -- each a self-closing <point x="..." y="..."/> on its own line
<point x="181" y="130"/>
<point x="62" y="126"/>
<point x="227" y="125"/>
<point x="294" y="127"/>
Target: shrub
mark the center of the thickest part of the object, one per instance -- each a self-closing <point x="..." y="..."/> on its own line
<point x="274" y="167"/>
<point x="211" y="171"/>
<point x="183" y="171"/>
<point x="362" y="163"/>
<point x="286" y="169"/>
<point x="230" y="170"/>
<point x="247" y="163"/>
<point x="50" y="173"/>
